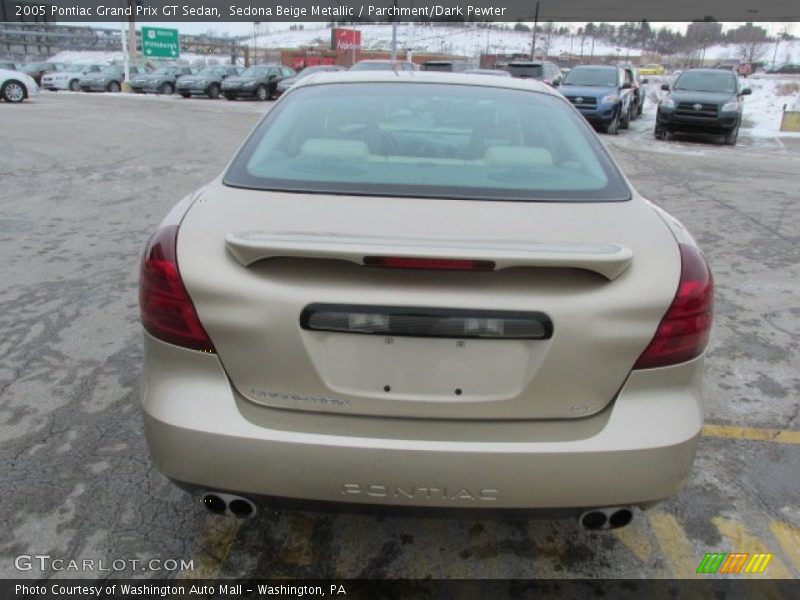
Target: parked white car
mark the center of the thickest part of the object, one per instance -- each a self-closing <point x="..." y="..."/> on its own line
<point x="16" y="86"/>
<point x="69" y="78"/>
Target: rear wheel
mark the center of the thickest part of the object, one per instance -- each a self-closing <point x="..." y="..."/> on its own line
<point x="213" y="90"/>
<point x="13" y="91"/>
<point x="74" y="86"/>
<point x="113" y="87"/>
<point x="262" y="93"/>
<point x="166" y="89"/>
<point x="640" y="108"/>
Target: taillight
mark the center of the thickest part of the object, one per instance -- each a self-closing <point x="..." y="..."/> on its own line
<point x="683" y="332"/>
<point x="442" y="264"/>
<point x="167" y="311"/>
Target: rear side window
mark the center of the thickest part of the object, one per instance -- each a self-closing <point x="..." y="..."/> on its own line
<point x="427" y="140"/>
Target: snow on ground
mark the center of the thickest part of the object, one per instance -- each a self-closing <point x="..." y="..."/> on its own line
<point x="763" y="110"/>
<point x="430" y="38"/>
<point x="787" y="52"/>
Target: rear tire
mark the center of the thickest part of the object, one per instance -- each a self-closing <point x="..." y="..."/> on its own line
<point x="13" y="91"/>
<point x="166" y="89"/>
<point x="113" y="87"/>
<point x="213" y="91"/>
<point x="74" y="86"/>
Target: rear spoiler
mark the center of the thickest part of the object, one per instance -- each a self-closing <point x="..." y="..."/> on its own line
<point x="606" y="259"/>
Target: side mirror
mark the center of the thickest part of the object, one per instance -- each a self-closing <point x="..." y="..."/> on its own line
<point x="645" y="80"/>
<point x="746" y="92"/>
<point x="665" y="87"/>
<point x="626" y="85"/>
<point x="556" y="83"/>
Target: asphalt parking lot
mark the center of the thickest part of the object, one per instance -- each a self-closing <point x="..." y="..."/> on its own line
<point x="85" y="179"/>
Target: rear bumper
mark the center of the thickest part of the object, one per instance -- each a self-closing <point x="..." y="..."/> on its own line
<point x="201" y="432"/>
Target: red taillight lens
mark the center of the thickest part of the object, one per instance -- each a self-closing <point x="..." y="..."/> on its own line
<point x="441" y="264"/>
<point x="684" y="330"/>
<point x="166" y="309"/>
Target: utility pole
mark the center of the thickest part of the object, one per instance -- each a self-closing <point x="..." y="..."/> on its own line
<point x="132" y="57"/>
<point x="535" y="25"/>
<point x="125" y="57"/>
<point x="394" y="32"/>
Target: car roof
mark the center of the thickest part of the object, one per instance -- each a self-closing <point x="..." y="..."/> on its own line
<point x="422" y="77"/>
<point x="596" y="67"/>
<point x="381" y="60"/>
<point x="700" y="70"/>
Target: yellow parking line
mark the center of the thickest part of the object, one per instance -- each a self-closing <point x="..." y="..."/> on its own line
<point x="779" y="436"/>
<point x="788" y="537"/>
<point x="300" y="551"/>
<point x="635" y="541"/>
<point x="215" y="546"/>
<point x="743" y="540"/>
<point x="681" y="558"/>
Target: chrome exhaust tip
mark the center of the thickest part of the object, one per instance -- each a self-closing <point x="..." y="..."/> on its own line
<point x="612" y="517"/>
<point x="220" y="503"/>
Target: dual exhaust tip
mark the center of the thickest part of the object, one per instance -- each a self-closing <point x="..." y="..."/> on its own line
<point x="606" y="518"/>
<point x="220" y="503"/>
<point x="598" y="519"/>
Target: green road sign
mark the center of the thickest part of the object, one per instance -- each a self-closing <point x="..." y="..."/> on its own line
<point x="160" y="43"/>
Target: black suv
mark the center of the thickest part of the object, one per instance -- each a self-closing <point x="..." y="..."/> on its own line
<point x="545" y="71"/>
<point x="702" y="101"/>
<point x="258" y="81"/>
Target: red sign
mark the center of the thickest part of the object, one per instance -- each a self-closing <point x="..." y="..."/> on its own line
<point x="345" y="39"/>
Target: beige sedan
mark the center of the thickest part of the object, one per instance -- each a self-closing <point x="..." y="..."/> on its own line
<point x="422" y="289"/>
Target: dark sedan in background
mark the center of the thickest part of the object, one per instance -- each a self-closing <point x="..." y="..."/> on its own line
<point x="160" y="81"/>
<point x="702" y="101"/>
<point x="286" y="83"/>
<point x="206" y="82"/>
<point x="259" y="82"/>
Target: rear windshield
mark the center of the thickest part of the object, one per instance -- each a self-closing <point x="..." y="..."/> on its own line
<point x="590" y="77"/>
<point x="536" y="71"/>
<point x="427" y="140"/>
<point x="707" y="82"/>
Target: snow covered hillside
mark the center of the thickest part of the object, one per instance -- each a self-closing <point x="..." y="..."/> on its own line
<point x="465" y="41"/>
